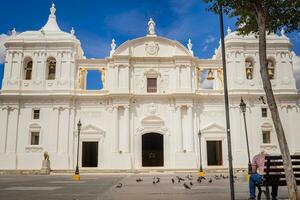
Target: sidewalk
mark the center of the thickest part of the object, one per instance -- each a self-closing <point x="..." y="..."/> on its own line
<point x="164" y="190"/>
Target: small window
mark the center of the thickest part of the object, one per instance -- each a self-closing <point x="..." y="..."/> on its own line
<point x="35" y="138"/>
<point x="264" y="112"/>
<point x="266" y="137"/>
<point x="151" y="85"/>
<point x="36" y="113"/>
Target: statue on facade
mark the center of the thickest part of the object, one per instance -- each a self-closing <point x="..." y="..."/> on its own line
<point x="190" y="46"/>
<point x="46" y="164"/>
<point x="113" y="47"/>
<point x="151" y="27"/>
<point x="102" y="70"/>
<point x="81" y="78"/>
<point x="199" y="76"/>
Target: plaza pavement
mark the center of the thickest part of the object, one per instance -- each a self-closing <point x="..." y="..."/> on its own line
<point x="103" y="187"/>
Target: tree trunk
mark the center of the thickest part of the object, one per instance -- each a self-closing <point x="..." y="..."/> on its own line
<point x="287" y="163"/>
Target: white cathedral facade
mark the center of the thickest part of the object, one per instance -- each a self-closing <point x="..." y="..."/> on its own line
<point x="152" y="106"/>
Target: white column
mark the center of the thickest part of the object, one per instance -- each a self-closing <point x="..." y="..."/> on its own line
<point x="116" y="125"/>
<point x="58" y="70"/>
<point x="13" y="118"/>
<point x="189" y="136"/>
<point x="63" y="130"/>
<point x="3" y="128"/>
<point x="177" y="78"/>
<point x="56" y="128"/>
<point x="124" y="136"/>
<point x="179" y="129"/>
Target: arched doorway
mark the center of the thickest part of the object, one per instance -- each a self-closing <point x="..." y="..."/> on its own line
<point x="152" y="150"/>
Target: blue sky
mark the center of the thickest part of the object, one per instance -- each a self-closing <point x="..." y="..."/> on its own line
<point x="96" y="22"/>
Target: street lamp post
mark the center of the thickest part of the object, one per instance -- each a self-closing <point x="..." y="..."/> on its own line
<point x="243" y="109"/>
<point x="77" y="176"/>
<point x="228" y="131"/>
<point x="201" y="172"/>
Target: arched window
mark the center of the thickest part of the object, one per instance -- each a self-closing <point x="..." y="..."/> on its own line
<point x="27" y="69"/>
<point x="249" y="66"/>
<point x="271" y="68"/>
<point x="51" y="68"/>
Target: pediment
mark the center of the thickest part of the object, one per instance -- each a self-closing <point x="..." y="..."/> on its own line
<point x="152" y="47"/>
<point x="213" y="128"/>
<point x="152" y="121"/>
<point x="91" y="129"/>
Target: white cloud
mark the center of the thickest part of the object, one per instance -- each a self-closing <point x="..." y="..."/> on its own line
<point x="208" y="40"/>
<point x="296" y="68"/>
<point x="3" y="37"/>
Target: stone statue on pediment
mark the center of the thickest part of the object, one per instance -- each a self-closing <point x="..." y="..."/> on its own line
<point x="151" y="27"/>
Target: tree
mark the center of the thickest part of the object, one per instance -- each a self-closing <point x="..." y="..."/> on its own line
<point x="259" y="17"/>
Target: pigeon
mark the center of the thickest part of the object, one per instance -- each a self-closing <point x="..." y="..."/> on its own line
<point x="191" y="183"/>
<point x="139" y="180"/>
<point x="188" y="177"/>
<point x="210" y="180"/>
<point x="153" y="182"/>
<point x="119" y="185"/>
<point x="199" y="179"/>
<point x="173" y="181"/>
<point x="186" y="186"/>
<point x="179" y="178"/>
<point x="158" y="180"/>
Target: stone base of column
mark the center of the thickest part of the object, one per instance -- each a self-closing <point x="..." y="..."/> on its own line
<point x="45" y="167"/>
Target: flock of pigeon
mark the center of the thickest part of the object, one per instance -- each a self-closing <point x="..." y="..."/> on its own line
<point x="187" y="181"/>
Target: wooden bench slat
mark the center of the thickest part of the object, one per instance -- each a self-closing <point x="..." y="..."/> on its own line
<point x="281" y="183"/>
<point x="280" y="157"/>
<point x="282" y="170"/>
<point x="270" y="176"/>
<point x="280" y="163"/>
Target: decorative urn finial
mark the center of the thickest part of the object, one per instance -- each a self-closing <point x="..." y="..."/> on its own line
<point x="72" y="31"/>
<point x="113" y="47"/>
<point x="14" y="32"/>
<point x="53" y="10"/>
<point x="228" y="30"/>
<point x="282" y="32"/>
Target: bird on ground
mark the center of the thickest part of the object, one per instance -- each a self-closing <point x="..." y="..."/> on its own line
<point x="119" y="185"/>
<point x="139" y="180"/>
<point x="191" y="183"/>
<point x="210" y="180"/>
<point x="199" y="179"/>
<point x="217" y="177"/>
<point x="189" y="177"/>
<point x="179" y="178"/>
<point x="173" y="181"/>
<point x="186" y="186"/>
<point x="158" y="180"/>
<point x="153" y="182"/>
